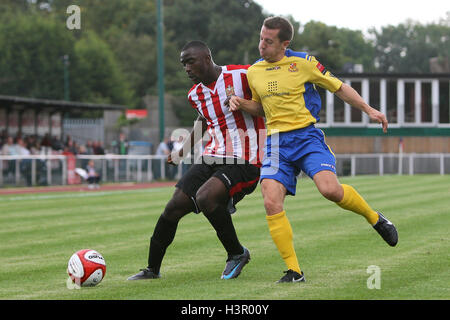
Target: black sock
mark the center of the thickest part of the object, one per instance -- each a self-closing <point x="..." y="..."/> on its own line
<point x="162" y="237"/>
<point x="221" y="221"/>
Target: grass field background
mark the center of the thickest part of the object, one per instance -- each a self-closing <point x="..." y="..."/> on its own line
<point x="39" y="233"/>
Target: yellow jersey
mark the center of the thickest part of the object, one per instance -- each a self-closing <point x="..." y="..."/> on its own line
<point x="286" y="89"/>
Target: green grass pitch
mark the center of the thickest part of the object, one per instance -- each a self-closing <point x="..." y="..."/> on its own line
<point x="39" y="233"/>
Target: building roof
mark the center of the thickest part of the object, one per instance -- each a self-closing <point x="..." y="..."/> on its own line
<point x="59" y="105"/>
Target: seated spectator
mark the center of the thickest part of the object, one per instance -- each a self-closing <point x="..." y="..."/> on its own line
<point x="93" y="178"/>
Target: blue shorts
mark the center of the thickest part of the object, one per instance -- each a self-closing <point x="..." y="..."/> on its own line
<point x="288" y="153"/>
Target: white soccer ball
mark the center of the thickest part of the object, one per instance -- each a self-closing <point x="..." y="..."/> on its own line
<point x="86" y="268"/>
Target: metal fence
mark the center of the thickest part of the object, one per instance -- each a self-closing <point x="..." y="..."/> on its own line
<point x="41" y="170"/>
<point x="44" y="170"/>
<point x="392" y="163"/>
<point x="82" y="130"/>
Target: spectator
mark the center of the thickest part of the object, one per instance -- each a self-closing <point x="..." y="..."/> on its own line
<point x="57" y="144"/>
<point x="178" y="144"/>
<point x="89" y="147"/>
<point x="123" y="144"/>
<point x="9" y="149"/>
<point x="93" y="178"/>
<point x="32" y="144"/>
<point x="67" y="152"/>
<point x="3" y="137"/>
<point x="25" y="164"/>
<point x="71" y="146"/>
<point x="82" y="150"/>
<point x="160" y="164"/>
<point x="46" y="141"/>
<point x="21" y="148"/>
<point x="163" y="148"/>
<point x="97" y="146"/>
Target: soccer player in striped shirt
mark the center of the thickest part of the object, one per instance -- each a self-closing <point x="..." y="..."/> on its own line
<point x="228" y="169"/>
<point x="283" y="89"/>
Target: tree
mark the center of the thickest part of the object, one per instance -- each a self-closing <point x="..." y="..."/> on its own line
<point x="230" y="28"/>
<point x="136" y="57"/>
<point x="409" y="46"/>
<point x="96" y="75"/>
<point x="30" y="63"/>
<point x="113" y="56"/>
<point x="334" y="47"/>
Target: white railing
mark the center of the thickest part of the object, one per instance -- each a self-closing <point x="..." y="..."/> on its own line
<point x="60" y="170"/>
<point x="393" y="163"/>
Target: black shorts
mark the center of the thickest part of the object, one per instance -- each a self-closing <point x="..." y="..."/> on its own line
<point x="239" y="179"/>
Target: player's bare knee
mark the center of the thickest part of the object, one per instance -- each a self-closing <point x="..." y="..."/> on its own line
<point x="331" y="193"/>
<point x="272" y="206"/>
<point x="205" y="202"/>
<point x="173" y="211"/>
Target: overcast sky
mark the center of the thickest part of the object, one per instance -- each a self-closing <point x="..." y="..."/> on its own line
<point x="359" y="14"/>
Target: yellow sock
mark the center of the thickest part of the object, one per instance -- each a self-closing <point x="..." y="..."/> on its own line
<point x="281" y="232"/>
<point x="354" y="202"/>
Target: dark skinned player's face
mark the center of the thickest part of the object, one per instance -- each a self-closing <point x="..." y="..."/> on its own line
<point x="195" y="63"/>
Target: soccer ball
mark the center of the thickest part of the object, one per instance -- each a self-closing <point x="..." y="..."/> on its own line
<point x="86" y="268"/>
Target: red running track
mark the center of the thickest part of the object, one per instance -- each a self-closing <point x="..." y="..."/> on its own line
<point x="82" y="187"/>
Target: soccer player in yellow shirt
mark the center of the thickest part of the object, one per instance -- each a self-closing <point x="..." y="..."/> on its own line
<point x="283" y="90"/>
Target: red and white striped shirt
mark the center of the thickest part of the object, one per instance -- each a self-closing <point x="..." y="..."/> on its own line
<point x="232" y="134"/>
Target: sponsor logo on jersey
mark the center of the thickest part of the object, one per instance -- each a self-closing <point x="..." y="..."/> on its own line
<point x="321" y="68"/>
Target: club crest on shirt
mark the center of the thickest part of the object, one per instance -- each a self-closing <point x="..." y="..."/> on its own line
<point x="293" y="67"/>
<point x="229" y="90"/>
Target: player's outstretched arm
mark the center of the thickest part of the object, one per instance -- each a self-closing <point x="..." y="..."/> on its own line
<point x="350" y="96"/>
<point x="235" y="103"/>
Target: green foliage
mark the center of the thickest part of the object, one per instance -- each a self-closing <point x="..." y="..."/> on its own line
<point x="30" y="64"/>
<point x="184" y="112"/>
<point x="231" y="28"/>
<point x="334" y="47"/>
<point x="97" y="77"/>
<point x="409" y="46"/>
<point x="136" y="57"/>
<point x="113" y="57"/>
